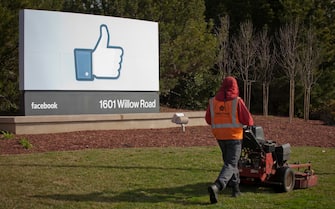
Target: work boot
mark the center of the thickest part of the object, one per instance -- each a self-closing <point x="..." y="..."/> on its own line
<point x="213" y="193"/>
<point x="236" y="191"/>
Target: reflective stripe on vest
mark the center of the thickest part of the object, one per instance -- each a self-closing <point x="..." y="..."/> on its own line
<point x="233" y="124"/>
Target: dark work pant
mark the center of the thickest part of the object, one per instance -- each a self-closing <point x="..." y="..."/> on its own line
<point x="231" y="151"/>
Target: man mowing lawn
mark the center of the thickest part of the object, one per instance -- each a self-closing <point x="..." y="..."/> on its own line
<point x="227" y="113"/>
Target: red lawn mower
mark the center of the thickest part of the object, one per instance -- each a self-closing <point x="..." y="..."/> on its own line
<point x="264" y="162"/>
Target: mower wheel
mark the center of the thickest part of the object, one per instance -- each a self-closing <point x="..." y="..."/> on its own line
<point x="287" y="179"/>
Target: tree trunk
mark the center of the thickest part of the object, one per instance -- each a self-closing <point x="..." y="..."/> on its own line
<point x="307" y="98"/>
<point x="291" y="108"/>
<point x="245" y="92"/>
<point x="265" y="99"/>
<point x="249" y="94"/>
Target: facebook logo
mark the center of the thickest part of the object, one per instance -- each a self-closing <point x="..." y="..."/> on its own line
<point x="102" y="62"/>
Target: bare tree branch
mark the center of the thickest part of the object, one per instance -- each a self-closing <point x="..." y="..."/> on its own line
<point x="289" y="57"/>
<point x="266" y="56"/>
<point x="310" y="57"/>
<point x="223" y="59"/>
<point x="244" y="51"/>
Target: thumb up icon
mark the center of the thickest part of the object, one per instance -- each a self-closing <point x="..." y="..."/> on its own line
<point x="102" y="62"/>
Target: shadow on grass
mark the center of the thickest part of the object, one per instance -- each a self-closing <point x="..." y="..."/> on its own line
<point x="185" y="195"/>
<point x="191" y="194"/>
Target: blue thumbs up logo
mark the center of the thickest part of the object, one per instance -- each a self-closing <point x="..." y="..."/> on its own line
<point x="102" y="62"/>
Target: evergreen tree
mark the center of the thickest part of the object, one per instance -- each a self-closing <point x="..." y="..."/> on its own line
<point x="187" y="53"/>
<point x="9" y="49"/>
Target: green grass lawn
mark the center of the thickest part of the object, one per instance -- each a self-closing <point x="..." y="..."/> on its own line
<point x="147" y="178"/>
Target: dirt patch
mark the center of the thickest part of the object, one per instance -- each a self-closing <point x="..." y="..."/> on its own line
<point x="297" y="133"/>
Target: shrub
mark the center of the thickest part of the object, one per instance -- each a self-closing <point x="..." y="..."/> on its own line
<point x="25" y="143"/>
<point x="326" y="113"/>
<point x="6" y="135"/>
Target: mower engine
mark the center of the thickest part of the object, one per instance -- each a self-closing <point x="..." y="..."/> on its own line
<point x="265" y="162"/>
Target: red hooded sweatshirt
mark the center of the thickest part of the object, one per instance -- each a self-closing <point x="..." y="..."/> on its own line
<point x="228" y="91"/>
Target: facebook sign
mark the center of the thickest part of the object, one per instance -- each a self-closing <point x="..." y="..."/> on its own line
<point x="87" y="64"/>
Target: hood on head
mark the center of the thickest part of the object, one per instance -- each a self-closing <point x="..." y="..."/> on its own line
<point x="229" y="89"/>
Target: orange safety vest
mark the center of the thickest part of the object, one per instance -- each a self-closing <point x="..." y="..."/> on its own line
<point x="224" y="119"/>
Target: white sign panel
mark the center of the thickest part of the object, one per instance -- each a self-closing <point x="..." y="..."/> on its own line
<point x="69" y="51"/>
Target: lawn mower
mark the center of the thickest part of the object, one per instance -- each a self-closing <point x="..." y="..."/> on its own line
<point x="264" y="162"/>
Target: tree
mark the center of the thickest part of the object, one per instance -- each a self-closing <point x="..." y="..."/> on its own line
<point x="322" y="19"/>
<point x="9" y="36"/>
<point x="320" y="14"/>
<point x="244" y="52"/>
<point x="224" y="60"/>
<point x="187" y="53"/>
<point x="266" y="56"/>
<point x="310" y="60"/>
<point x="260" y="12"/>
<point x="289" y="57"/>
